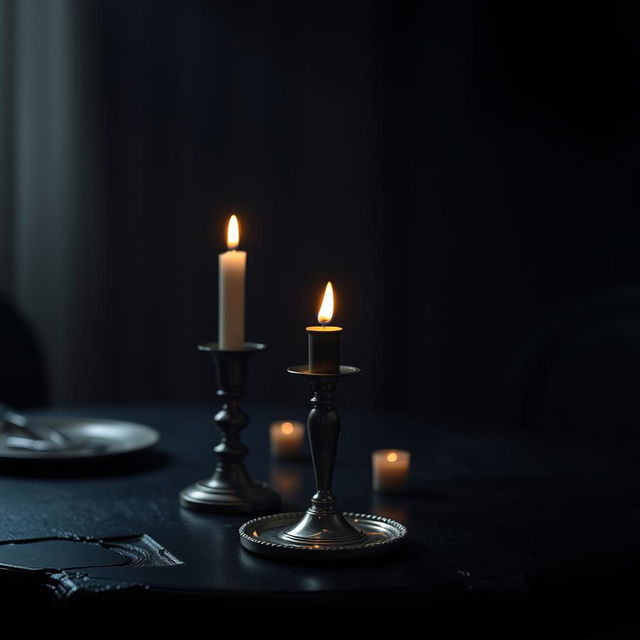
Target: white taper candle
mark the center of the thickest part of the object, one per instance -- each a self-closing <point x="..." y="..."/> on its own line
<point x="232" y="268"/>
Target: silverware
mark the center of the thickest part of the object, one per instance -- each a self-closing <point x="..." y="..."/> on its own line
<point x="32" y="433"/>
<point x="96" y="438"/>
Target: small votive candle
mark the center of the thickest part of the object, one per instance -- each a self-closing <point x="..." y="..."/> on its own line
<point x="287" y="437"/>
<point x="390" y="469"/>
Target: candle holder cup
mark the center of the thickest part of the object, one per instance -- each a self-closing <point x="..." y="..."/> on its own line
<point x="322" y="532"/>
<point x="230" y="489"/>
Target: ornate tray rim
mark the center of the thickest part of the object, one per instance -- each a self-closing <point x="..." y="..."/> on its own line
<point x="275" y="549"/>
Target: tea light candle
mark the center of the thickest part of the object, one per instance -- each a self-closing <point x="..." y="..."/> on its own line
<point x="390" y="469"/>
<point x="287" y="437"/>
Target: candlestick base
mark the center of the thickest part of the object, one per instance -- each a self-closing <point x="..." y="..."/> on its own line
<point x="271" y="536"/>
<point x="209" y="495"/>
<point x="230" y="489"/>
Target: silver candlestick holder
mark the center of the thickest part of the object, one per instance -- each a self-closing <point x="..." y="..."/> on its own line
<point x="230" y="489"/>
<point x="322" y="532"/>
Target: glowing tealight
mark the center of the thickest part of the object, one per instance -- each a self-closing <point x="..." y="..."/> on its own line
<point x="286" y="428"/>
<point x="286" y="437"/>
<point x="390" y="469"/>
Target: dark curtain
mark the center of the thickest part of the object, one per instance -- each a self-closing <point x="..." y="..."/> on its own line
<point x="53" y="221"/>
<point x="464" y="172"/>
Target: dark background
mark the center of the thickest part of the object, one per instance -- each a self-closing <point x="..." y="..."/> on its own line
<point x="464" y="172"/>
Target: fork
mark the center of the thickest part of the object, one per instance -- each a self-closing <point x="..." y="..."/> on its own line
<point x="35" y="435"/>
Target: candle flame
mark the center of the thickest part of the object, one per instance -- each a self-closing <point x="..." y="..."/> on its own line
<point x="233" y="232"/>
<point x="392" y="457"/>
<point x="326" y="308"/>
<point x="286" y="428"/>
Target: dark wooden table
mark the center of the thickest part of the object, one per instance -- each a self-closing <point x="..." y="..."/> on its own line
<point x="499" y="521"/>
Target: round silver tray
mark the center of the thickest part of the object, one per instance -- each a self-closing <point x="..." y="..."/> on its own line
<point x="262" y="536"/>
<point x="98" y="438"/>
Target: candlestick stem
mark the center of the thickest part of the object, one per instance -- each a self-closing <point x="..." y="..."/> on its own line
<point x="324" y="431"/>
<point x="323" y="523"/>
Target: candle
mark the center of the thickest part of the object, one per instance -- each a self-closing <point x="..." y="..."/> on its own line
<point x="324" y="342"/>
<point x="232" y="266"/>
<point x="286" y="439"/>
<point x="390" y="469"/>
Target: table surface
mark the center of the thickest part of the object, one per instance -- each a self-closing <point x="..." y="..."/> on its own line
<point x="493" y="514"/>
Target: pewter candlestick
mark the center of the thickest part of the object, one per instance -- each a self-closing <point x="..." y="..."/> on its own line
<point x="230" y="489"/>
<point x="322" y="532"/>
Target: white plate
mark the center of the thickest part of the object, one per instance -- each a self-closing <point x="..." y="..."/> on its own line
<point x="102" y="437"/>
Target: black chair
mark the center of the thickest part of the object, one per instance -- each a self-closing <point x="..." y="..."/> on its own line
<point x="580" y="374"/>
<point x="22" y="372"/>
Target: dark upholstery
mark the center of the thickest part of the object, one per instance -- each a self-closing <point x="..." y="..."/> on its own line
<point x="22" y="374"/>
<point x="583" y="371"/>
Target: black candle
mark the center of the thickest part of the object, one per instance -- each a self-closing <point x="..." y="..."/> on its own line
<point x="324" y="341"/>
<point x="324" y="349"/>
